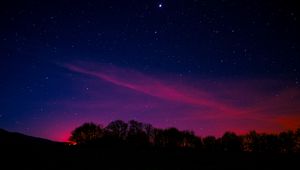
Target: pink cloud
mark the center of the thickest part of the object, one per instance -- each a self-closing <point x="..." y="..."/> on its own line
<point x="154" y="87"/>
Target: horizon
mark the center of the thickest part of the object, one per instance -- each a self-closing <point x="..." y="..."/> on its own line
<point x="67" y="140"/>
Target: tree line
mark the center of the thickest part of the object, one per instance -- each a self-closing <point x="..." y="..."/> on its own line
<point x="137" y="134"/>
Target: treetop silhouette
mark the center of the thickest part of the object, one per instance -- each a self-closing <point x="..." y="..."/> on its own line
<point x="138" y="134"/>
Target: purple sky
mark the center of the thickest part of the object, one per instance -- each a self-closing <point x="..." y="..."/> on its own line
<point x="207" y="66"/>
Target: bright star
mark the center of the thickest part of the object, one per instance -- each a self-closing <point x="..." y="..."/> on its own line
<point x="160" y="5"/>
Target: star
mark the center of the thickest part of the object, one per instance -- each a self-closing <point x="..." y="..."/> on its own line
<point x="160" y="5"/>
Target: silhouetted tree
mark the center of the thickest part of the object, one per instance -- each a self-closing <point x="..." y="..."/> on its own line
<point x="149" y="130"/>
<point x="158" y="137"/>
<point x="135" y="127"/>
<point x="136" y="134"/>
<point x="117" y="129"/>
<point x="173" y="137"/>
<point x="231" y="142"/>
<point x="210" y="143"/>
<point x="255" y="142"/>
<point x="86" y="133"/>
<point x="251" y="142"/>
<point x="190" y="140"/>
<point x="287" y="141"/>
<point x="297" y="140"/>
<point x="269" y="143"/>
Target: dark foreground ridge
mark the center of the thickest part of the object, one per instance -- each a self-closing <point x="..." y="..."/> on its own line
<point x="135" y="145"/>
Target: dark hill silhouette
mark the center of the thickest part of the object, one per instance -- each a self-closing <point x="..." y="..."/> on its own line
<point x="17" y="139"/>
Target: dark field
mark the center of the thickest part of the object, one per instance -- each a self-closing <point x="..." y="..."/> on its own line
<point x="72" y="157"/>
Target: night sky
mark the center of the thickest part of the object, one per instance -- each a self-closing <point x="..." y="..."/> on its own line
<point x="204" y="65"/>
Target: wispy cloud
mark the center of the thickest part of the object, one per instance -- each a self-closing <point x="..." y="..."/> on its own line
<point x="237" y="104"/>
<point x="154" y="87"/>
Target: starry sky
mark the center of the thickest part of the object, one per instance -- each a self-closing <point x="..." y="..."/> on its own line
<point x="204" y="65"/>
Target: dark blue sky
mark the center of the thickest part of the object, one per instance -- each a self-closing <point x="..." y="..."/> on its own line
<point x="194" y="58"/>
